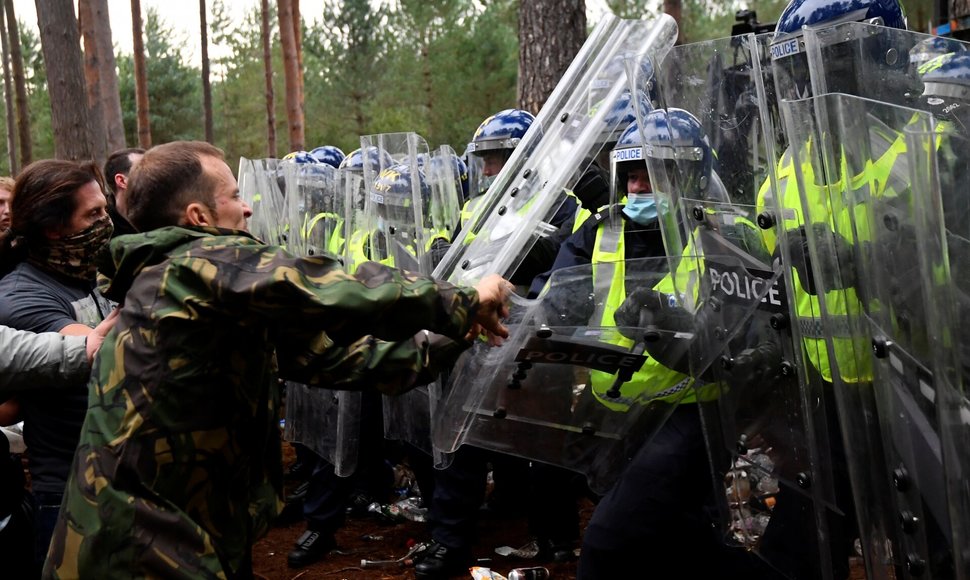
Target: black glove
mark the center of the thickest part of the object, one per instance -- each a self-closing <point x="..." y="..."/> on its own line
<point x="838" y="264"/>
<point x="593" y="187"/>
<point x="646" y="307"/>
<point x="638" y="310"/>
<point x="755" y="365"/>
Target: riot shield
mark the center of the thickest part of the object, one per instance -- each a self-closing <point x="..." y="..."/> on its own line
<point x="399" y="202"/>
<point x="443" y="214"/>
<point x="315" y="209"/>
<point x="261" y="185"/>
<point x="583" y="383"/>
<point x="769" y="431"/>
<point x="865" y="60"/>
<point x="861" y="251"/>
<point x="519" y="207"/>
<point x="511" y="231"/>
<point x="764" y="419"/>
<point x="325" y="421"/>
<point x="411" y="212"/>
<point x="938" y="160"/>
<point x="871" y="61"/>
<point x="350" y="186"/>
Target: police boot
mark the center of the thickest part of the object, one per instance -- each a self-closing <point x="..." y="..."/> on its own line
<point x="310" y="547"/>
<point x="440" y="561"/>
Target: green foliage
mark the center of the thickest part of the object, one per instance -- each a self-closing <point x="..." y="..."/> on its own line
<point x="174" y="87"/>
<point x="38" y="98"/>
<point x="702" y="19"/>
<point x="238" y="88"/>
<point x="436" y="67"/>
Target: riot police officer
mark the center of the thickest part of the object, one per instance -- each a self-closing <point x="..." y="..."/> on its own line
<point x="656" y="515"/>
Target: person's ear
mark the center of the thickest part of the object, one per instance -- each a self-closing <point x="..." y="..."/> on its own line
<point x="198" y="214"/>
<point x="121" y="181"/>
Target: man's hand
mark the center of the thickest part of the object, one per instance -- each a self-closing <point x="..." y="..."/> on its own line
<point x="493" y="292"/>
<point x="96" y="337"/>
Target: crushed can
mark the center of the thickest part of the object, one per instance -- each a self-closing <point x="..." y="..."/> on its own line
<point x="534" y="573"/>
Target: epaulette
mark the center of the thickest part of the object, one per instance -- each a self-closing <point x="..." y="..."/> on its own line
<point x="603" y="213"/>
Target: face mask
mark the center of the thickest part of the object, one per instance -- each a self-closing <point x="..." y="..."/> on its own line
<point x="641" y="208"/>
<point x="74" y="256"/>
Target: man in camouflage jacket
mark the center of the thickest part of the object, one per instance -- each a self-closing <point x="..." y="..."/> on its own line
<point x="179" y="467"/>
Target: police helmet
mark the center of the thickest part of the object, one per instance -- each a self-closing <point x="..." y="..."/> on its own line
<point x="458" y="169"/>
<point x="329" y="154"/>
<point x="375" y="159"/>
<point x="946" y="86"/>
<point x="502" y="131"/>
<point x="300" y="157"/>
<point x="628" y="153"/>
<point x="932" y="47"/>
<point x="678" y="153"/>
<point x="788" y="47"/>
<point x="394" y="197"/>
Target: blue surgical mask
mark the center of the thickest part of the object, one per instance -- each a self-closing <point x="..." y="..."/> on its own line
<point x="641" y="208"/>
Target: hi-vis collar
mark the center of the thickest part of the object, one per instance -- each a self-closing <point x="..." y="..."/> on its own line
<point x="795" y="43"/>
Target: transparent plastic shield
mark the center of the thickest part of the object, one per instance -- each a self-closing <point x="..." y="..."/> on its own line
<point x="397" y="201"/>
<point x="770" y="448"/>
<point x="315" y="209"/>
<point x="350" y="185"/>
<point x="522" y="202"/>
<point x="325" y="421"/>
<point x="938" y="159"/>
<point x="859" y="270"/>
<point x="411" y="221"/>
<point x="867" y="60"/>
<point x="261" y="185"/>
<point x="767" y="420"/>
<point x="589" y="373"/>
<point x="442" y="173"/>
<point x="722" y="83"/>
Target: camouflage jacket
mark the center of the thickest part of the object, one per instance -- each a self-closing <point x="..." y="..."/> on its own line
<point x="179" y="466"/>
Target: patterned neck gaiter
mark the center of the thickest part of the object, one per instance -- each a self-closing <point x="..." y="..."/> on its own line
<point x="74" y="256"/>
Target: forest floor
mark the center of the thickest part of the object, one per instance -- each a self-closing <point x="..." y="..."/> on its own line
<point x="372" y="537"/>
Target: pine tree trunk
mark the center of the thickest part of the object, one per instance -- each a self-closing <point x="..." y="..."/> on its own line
<point x="291" y="75"/>
<point x="141" y="77"/>
<point x="298" y="35"/>
<point x="110" y="96"/>
<point x="551" y="32"/>
<point x="268" y="67"/>
<point x="61" y="45"/>
<point x="92" y="80"/>
<point x="206" y="86"/>
<point x="8" y="98"/>
<point x="20" y="86"/>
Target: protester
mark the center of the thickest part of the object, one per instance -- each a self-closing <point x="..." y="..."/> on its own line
<point x="179" y="467"/>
